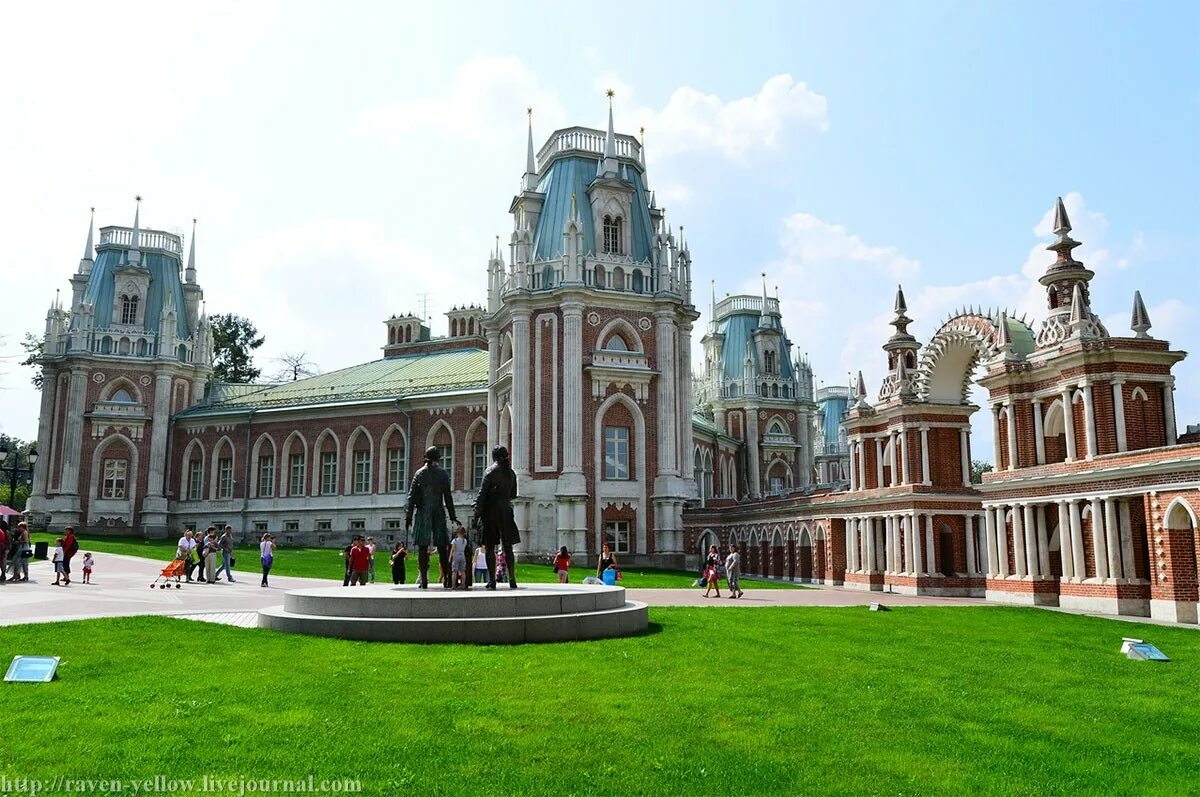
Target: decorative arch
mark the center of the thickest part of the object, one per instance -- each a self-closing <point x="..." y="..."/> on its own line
<point x="1180" y="516"/>
<point x="255" y="454"/>
<point x="468" y="454"/>
<point x="185" y="468"/>
<point x="777" y="536"/>
<point x="626" y="331"/>
<point x="505" y="436"/>
<point x="506" y="347"/>
<point x="352" y="445"/>
<point x="131" y="475"/>
<point x="385" y="444"/>
<point x="707" y="538"/>
<point x="1139" y="394"/>
<point x="777" y="425"/>
<point x="114" y="386"/>
<point x="285" y="462"/>
<point x="949" y="360"/>
<point x="214" y="475"/>
<point x="638" y="452"/>
<point x="429" y="442"/>
<point x="327" y="438"/>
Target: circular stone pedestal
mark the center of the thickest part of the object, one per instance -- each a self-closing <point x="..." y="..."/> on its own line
<point x="386" y="613"/>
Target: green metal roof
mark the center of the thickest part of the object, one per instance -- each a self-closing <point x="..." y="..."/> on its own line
<point x="393" y="377"/>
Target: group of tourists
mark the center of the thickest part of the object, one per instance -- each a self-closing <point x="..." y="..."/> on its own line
<point x="15" y="552"/>
<point x="199" y="552"/>
<point x="715" y="566"/>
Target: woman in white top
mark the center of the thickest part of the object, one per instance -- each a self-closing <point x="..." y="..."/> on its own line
<point x="481" y="568"/>
<point x="266" y="550"/>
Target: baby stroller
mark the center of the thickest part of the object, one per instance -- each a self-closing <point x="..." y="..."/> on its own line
<point x="174" y="570"/>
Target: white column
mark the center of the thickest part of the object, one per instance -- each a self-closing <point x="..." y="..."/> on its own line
<point x="970" y="540"/>
<point x="521" y="409"/>
<point x="1018" y="541"/>
<point x="879" y="462"/>
<point x="1043" y="543"/>
<point x="1112" y="537"/>
<point x="1118" y="397"/>
<point x="1169" y="410"/>
<point x="493" y="409"/>
<point x="894" y="460"/>
<point x="996" y="434"/>
<point x="852" y="446"/>
<point x="667" y="441"/>
<point x="857" y="545"/>
<point x="1031" y="546"/>
<point x="1069" y="423"/>
<point x="1012" y="434"/>
<point x="930" y="564"/>
<point x="1099" y="542"/>
<point x="1089" y="420"/>
<point x="964" y="449"/>
<point x="1077" y="551"/>
<point x="925" y="456"/>
<point x="753" y="454"/>
<point x="849" y="545"/>
<point x="1128" y="568"/>
<point x="572" y="367"/>
<point x="862" y="465"/>
<point x="1065" y="544"/>
<point x="683" y="406"/>
<point x="914" y="533"/>
<point x="907" y="479"/>
<point x="158" y="436"/>
<point x="73" y="433"/>
<point x="1002" y="542"/>
<point x="1039" y="434"/>
<point x="989" y="524"/>
<point x="889" y="522"/>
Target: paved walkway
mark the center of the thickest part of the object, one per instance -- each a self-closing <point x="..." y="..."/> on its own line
<point x="122" y="589"/>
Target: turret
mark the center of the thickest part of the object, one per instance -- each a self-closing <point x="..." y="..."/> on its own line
<point x="901" y="350"/>
<point x="1140" y="320"/>
<point x="1066" y="281"/>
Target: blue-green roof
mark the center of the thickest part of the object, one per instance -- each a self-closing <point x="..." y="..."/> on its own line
<point x="572" y="176"/>
<point x="835" y="408"/>
<point x="394" y="377"/>
<point x="738" y="329"/>
<point x="164" y="279"/>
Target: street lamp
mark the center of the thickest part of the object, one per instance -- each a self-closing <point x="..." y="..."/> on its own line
<point x="14" y="470"/>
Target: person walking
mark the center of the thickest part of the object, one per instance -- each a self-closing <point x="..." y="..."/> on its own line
<point x="399" y="554"/>
<point x="494" y="512"/>
<point x="184" y="551"/>
<point x="425" y="517"/>
<point x="562" y="564"/>
<point x="3" y="550"/>
<point x="481" y="566"/>
<point x="712" y="576"/>
<point x="225" y="545"/>
<point x="346" y="561"/>
<point x="19" y="552"/>
<point x="371" y="559"/>
<point x="266" y="553"/>
<point x="211" y="546"/>
<point x="56" y="556"/>
<point x="70" y="548"/>
<point x="359" y="562"/>
<point x="607" y="557"/>
<point x="733" y="571"/>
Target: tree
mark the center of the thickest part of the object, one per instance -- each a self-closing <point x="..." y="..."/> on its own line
<point x="978" y="468"/>
<point x="234" y="342"/>
<point x="18" y="458"/>
<point x="33" y="346"/>
<point x="293" y="366"/>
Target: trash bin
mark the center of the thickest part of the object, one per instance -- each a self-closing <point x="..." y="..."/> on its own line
<point x="41" y="550"/>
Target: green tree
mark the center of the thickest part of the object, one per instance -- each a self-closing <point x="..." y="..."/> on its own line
<point x="18" y="457"/>
<point x="32" y="344"/>
<point x="234" y="342"/>
<point x="978" y="468"/>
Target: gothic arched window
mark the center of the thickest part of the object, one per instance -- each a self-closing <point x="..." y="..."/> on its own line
<point x="129" y="308"/>
<point x="769" y="358"/>
<point x="612" y="235"/>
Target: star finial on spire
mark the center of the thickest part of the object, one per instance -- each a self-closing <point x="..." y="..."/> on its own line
<point x="610" y="94"/>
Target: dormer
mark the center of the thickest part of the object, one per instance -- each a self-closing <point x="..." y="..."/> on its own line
<point x="130" y="286"/>
<point x="404" y="330"/>
<point x="466" y="321"/>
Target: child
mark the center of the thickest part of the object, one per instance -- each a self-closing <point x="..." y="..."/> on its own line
<point x="88" y="562"/>
<point x="57" y="557"/>
<point x="458" y="559"/>
<point x="501" y="567"/>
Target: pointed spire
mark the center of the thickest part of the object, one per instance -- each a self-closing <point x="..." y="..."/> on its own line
<point x="1077" y="304"/>
<point x="190" y="273"/>
<point x="1063" y="243"/>
<point x="136" y="240"/>
<point x="1003" y="341"/>
<point x="901" y="305"/>
<point x="653" y="201"/>
<point x="1140" y="322"/>
<point x="901" y="321"/>
<point x="642" y="148"/>
<point x="861" y="391"/>
<point x="1062" y="224"/>
<point x="89" y="249"/>
<point x="713" y="305"/>
<point x="610" y="139"/>
<point x="529" y="182"/>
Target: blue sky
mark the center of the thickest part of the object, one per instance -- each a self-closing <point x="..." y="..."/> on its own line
<point x="344" y="159"/>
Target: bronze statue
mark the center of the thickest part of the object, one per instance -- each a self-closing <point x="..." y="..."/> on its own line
<point x="430" y="491"/>
<point x="494" y="514"/>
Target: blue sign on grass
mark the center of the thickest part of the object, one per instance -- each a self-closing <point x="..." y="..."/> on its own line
<point x="32" y="669"/>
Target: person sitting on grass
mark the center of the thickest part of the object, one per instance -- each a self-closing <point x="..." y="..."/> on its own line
<point x="712" y="576"/>
<point x="88" y="564"/>
<point x="458" y="559"/>
<point x="57" y="557"/>
<point x="562" y="564"/>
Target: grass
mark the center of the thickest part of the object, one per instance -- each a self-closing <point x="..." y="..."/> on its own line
<point x="327" y="563"/>
<point x="737" y="700"/>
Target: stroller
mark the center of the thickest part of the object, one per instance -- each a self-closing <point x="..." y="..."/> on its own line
<point x="174" y="570"/>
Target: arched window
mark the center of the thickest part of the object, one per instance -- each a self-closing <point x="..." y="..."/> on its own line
<point x="129" y="308"/>
<point x="639" y="282"/>
<point x="612" y="235"/>
<point x="599" y="271"/>
<point x="616" y="343"/>
<point x="548" y="277"/>
<point x="769" y="361"/>
<point x="123" y="396"/>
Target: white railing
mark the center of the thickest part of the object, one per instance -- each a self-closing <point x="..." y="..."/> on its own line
<point x="733" y="304"/>
<point x="831" y="449"/>
<point x="589" y="141"/>
<point x="833" y="392"/>
<point x="147" y="239"/>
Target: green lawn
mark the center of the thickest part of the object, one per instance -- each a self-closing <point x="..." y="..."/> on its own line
<point x="327" y="563"/>
<point x="729" y="701"/>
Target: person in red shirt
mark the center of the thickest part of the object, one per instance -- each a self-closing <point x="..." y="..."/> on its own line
<point x="70" y="548"/>
<point x="360" y="562"/>
<point x="562" y="563"/>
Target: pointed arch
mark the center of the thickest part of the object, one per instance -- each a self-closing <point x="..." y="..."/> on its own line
<point x="131" y="473"/>
<point x="777" y="536"/>
<point x="113" y="386"/>
<point x="469" y="441"/>
<point x="431" y="437"/>
<point x="805" y="537"/>
<point x="1180" y="516"/>
<point x="625" y="330"/>
<point x="390" y="480"/>
<point x="778" y="426"/>
<point x="256" y="455"/>
<point x="295" y="444"/>
<point x="326" y="443"/>
<point x="1139" y="394"/>
<point x="222" y="447"/>
<point x="189" y="455"/>
<point x="353" y="480"/>
<point x="506" y="347"/>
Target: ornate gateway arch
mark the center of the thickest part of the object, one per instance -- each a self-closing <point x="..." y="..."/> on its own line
<point x="964" y="341"/>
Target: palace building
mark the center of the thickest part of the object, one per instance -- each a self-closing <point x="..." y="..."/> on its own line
<point x="579" y="359"/>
